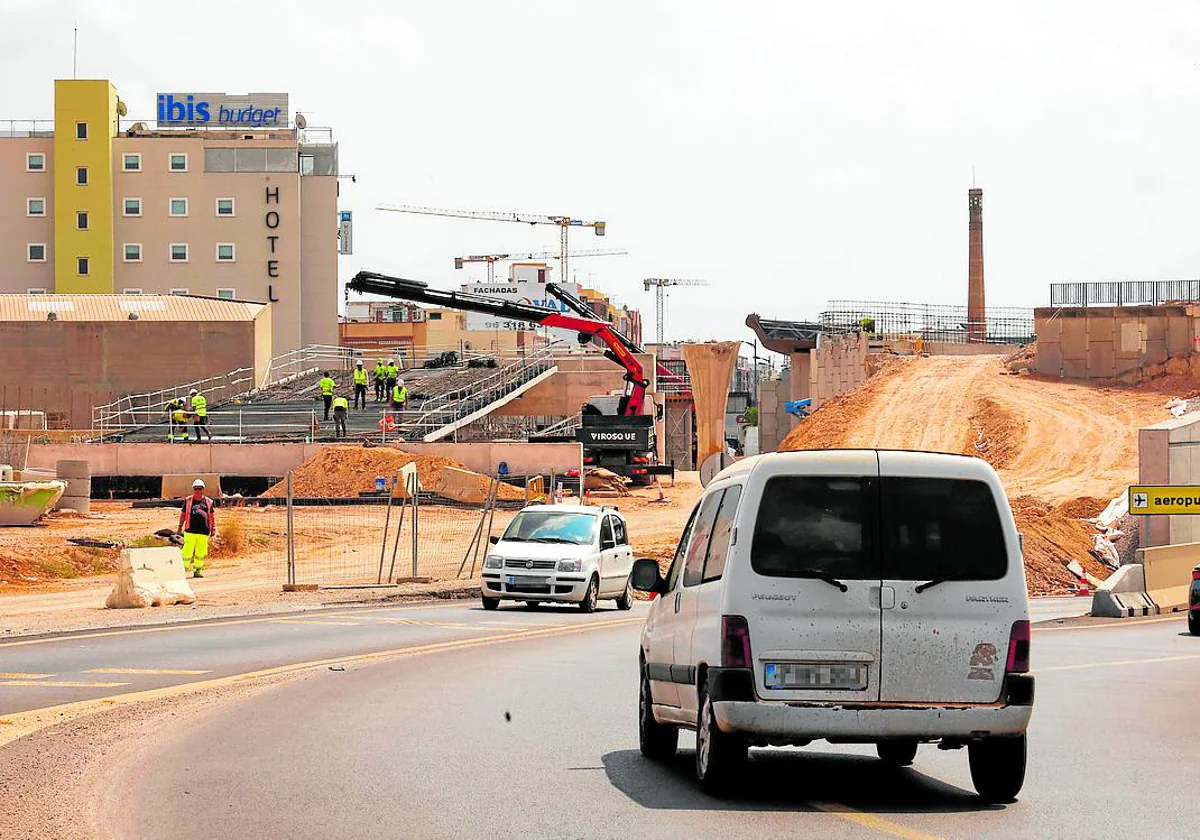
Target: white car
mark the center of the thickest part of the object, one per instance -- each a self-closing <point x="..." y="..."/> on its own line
<point x="852" y="596"/>
<point x="563" y="553"/>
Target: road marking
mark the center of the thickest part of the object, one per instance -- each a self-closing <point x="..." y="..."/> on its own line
<point x="871" y="821"/>
<point x="20" y="724"/>
<point x="170" y="672"/>
<point x="1119" y="662"/>
<point x="199" y="624"/>
<point x="56" y="684"/>
<point x="1115" y="623"/>
<point x="24" y="676"/>
<point x="318" y="621"/>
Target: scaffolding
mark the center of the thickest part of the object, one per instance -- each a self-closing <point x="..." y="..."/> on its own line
<point x="933" y="323"/>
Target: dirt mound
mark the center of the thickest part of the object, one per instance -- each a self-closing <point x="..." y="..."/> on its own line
<point x="829" y="426"/>
<point x="1085" y="507"/>
<point x="1024" y="359"/>
<point x="996" y="434"/>
<point x="1051" y="540"/>
<point x="343" y="472"/>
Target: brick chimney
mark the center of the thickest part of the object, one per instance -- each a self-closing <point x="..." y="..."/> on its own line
<point x="976" y="324"/>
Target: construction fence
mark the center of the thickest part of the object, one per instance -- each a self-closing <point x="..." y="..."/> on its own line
<point x="933" y="323"/>
<point x="394" y="535"/>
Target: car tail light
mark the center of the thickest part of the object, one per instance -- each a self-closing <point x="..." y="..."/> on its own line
<point x="1018" y="648"/>
<point x="638" y="471"/>
<point x="1195" y="574"/>
<point x="641" y="459"/>
<point x="735" y="642"/>
<point x="588" y="459"/>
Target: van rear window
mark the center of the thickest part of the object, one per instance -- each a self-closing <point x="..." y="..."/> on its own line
<point x="936" y="527"/>
<point x="816" y="523"/>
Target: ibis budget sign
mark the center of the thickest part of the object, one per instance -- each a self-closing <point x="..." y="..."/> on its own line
<point x="223" y="110"/>
<point x="1150" y="500"/>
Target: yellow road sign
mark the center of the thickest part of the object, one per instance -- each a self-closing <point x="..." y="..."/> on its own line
<point x="1158" y="500"/>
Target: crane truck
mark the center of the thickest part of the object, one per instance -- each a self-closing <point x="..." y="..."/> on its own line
<point x="616" y="431"/>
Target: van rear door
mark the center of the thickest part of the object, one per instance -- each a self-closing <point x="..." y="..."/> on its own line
<point x="811" y="594"/>
<point x="952" y="568"/>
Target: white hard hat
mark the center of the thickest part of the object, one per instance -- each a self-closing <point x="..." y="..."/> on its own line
<point x="401" y="381"/>
<point x="359" y="363"/>
<point x="198" y="484"/>
<point x="194" y="392"/>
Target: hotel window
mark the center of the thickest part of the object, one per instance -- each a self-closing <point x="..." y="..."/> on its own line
<point x="80" y="131"/>
<point x="179" y="207"/>
<point x="81" y="220"/>
<point x="179" y="252"/>
<point x="81" y="176"/>
<point x="132" y="162"/>
<point x="225" y="252"/>
<point x="133" y="207"/>
<point x="179" y="292"/>
<point x="227" y="294"/>
<point x="82" y="266"/>
<point x="131" y="292"/>
<point x="35" y="207"/>
<point x="35" y="252"/>
<point x="177" y="162"/>
<point x="133" y="252"/>
<point x="35" y="162"/>
<point x="225" y="207"/>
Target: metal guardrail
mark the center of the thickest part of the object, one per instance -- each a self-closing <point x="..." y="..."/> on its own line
<point x="26" y="128"/>
<point x="147" y="408"/>
<point x="1125" y="293"/>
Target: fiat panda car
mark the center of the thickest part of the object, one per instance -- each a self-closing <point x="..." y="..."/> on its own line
<point x="577" y="554"/>
<point x="852" y="596"/>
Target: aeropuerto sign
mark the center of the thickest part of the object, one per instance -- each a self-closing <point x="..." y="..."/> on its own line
<point x="222" y="110"/>
<point x="1155" y="500"/>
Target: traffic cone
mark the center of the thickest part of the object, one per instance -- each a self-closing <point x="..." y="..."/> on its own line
<point x="1082" y="587"/>
<point x="661" y="496"/>
<point x="587" y="496"/>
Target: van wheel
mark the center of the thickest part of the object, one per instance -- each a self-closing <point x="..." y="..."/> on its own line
<point x="997" y="767"/>
<point x="719" y="755"/>
<point x="898" y="753"/>
<point x="625" y="602"/>
<point x="588" y="604"/>
<point x="657" y="741"/>
<point x="1194" y="622"/>
<point x="490" y="603"/>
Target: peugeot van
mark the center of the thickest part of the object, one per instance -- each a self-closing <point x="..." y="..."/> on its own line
<point x="855" y="596"/>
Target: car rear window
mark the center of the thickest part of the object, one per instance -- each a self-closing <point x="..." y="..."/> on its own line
<point x="937" y="527"/>
<point x="816" y="523"/>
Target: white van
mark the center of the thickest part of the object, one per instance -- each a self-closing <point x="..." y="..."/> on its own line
<point x="856" y="596"/>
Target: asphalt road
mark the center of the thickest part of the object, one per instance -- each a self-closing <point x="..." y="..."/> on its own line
<point x="537" y="738"/>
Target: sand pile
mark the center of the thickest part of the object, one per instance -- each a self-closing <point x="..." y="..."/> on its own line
<point x="1053" y="538"/>
<point x="343" y="472"/>
<point x="996" y="435"/>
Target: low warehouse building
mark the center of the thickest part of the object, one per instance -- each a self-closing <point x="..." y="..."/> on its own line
<point x="65" y="354"/>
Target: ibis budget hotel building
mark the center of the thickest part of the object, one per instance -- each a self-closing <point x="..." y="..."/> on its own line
<point x="223" y="197"/>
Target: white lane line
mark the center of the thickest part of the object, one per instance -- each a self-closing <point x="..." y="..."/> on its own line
<point x="171" y="672"/>
<point x="57" y="684"/>
<point x="1116" y="662"/>
<point x="24" y="676"/>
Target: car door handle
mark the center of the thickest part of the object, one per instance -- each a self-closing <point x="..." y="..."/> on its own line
<point x="883" y="597"/>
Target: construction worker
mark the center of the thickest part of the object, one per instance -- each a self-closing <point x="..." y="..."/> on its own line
<point x="391" y="374"/>
<point x="380" y="380"/>
<point x="177" y="419"/>
<point x="327" y="386"/>
<point x="340" y="407"/>
<point x="399" y="396"/>
<point x="199" y="407"/>
<point x="360" y="385"/>
<point x="197" y="524"/>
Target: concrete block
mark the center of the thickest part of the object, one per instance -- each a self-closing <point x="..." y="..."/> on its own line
<point x="1100" y="329"/>
<point x="1100" y="360"/>
<point x="462" y="486"/>
<point x="1129" y="578"/>
<point x="180" y="485"/>
<point x="1049" y="358"/>
<point x="1129" y="336"/>
<point x="1169" y="574"/>
<point x="1074" y="368"/>
<point x="1048" y="329"/>
<point x="1155" y="351"/>
<point x="150" y="577"/>
<point x="1179" y="336"/>
<point x="1074" y="339"/>
<point x="404" y="483"/>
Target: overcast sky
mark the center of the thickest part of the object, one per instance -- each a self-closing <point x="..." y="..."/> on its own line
<point x="788" y="152"/>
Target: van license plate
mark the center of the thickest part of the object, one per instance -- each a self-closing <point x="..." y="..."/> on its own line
<point x="851" y="676"/>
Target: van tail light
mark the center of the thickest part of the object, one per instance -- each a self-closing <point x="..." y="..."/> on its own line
<point x="588" y="459"/>
<point x="641" y="459"/>
<point x="1018" y="648"/>
<point x="1195" y="574"/>
<point x="735" y="642"/>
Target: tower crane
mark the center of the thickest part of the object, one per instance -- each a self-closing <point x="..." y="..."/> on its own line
<point x="565" y="223"/>
<point x="492" y="259"/>
<point x="659" y="284"/>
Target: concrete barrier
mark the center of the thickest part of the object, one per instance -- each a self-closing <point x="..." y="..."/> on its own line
<point x="150" y="577"/>
<point x="1169" y="574"/>
<point x="407" y="475"/>
<point x="462" y="486"/>
<point x="1123" y="594"/>
<point x="178" y="486"/>
<point x="78" y="495"/>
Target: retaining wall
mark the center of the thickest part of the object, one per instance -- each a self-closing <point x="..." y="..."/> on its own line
<point x="1111" y="342"/>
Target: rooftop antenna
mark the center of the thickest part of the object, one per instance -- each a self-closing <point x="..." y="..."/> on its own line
<point x="972" y="177"/>
<point x="75" y="56"/>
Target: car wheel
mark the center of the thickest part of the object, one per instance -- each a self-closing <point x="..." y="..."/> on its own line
<point x="997" y="767"/>
<point x="533" y="605"/>
<point x="490" y="603"/>
<point x="625" y="602"/>
<point x="719" y="755"/>
<point x="588" y="604"/>
<point x="899" y="753"/>
<point x="1194" y="622"/>
<point x="657" y="741"/>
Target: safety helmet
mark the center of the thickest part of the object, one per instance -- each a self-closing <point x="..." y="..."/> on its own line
<point x="198" y="484"/>
<point x="358" y="363"/>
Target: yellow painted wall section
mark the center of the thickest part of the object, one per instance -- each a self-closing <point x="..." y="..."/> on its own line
<point x="95" y="103"/>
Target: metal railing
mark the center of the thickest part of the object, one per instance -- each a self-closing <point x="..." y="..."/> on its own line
<point x="26" y="128"/>
<point x="1125" y="293"/>
<point x="934" y="323"/>
<point x="150" y="407"/>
